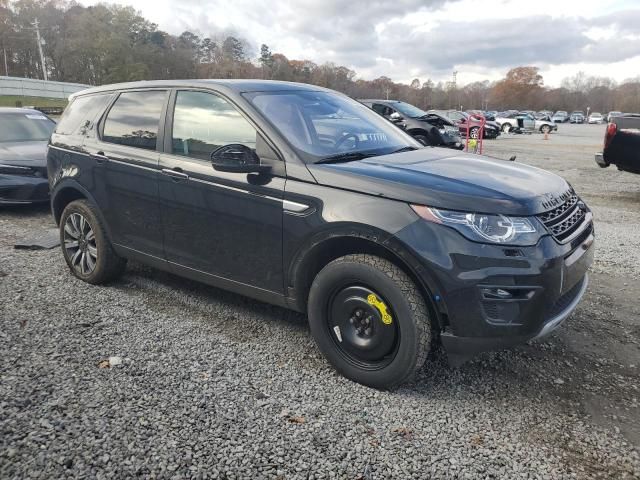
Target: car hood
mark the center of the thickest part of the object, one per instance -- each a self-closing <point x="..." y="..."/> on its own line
<point x="441" y="178"/>
<point x="31" y="154"/>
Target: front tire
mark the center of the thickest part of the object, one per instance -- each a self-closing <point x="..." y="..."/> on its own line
<point x="85" y="246"/>
<point x="474" y="132"/>
<point x="422" y="139"/>
<point x="369" y="320"/>
<point x="545" y="129"/>
<point x="506" y="127"/>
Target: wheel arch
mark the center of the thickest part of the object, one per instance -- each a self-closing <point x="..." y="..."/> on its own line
<point x="67" y="192"/>
<point x="417" y="131"/>
<point x="330" y="246"/>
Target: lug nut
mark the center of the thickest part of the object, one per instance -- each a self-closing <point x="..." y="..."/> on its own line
<point x="368" y="331"/>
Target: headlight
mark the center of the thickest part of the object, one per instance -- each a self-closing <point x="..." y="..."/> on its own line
<point x="482" y="227"/>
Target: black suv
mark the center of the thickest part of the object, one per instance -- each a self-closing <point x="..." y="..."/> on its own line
<point x="427" y="127"/>
<point x="301" y="197"/>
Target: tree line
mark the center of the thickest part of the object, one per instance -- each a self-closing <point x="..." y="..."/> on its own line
<point x="110" y="43"/>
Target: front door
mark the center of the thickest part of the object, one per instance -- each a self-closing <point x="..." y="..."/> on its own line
<point x="227" y="225"/>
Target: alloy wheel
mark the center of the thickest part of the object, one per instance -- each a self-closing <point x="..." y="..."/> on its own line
<point x="80" y="244"/>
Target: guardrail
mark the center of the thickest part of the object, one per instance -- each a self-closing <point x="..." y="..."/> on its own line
<point x="29" y="87"/>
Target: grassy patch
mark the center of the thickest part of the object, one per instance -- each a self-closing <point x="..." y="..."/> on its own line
<point x="10" y="101"/>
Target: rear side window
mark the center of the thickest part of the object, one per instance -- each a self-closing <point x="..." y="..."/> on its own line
<point x="81" y="113"/>
<point x="134" y="118"/>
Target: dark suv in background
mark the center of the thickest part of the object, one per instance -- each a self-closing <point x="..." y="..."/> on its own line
<point x="24" y="134"/>
<point x="428" y="128"/>
<point x="301" y="197"/>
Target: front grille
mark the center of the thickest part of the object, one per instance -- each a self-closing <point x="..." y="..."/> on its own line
<point x="557" y="212"/>
<point x="563" y="220"/>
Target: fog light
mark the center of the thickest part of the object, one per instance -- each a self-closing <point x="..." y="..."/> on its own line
<point x="496" y="293"/>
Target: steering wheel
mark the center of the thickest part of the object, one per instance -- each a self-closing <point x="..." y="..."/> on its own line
<point x="343" y="139"/>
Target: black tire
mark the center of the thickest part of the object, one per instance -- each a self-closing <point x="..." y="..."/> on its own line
<point x="474" y="132"/>
<point x="545" y="129"/>
<point x="506" y="127"/>
<point x="422" y="139"/>
<point x="409" y="314"/>
<point x="107" y="265"/>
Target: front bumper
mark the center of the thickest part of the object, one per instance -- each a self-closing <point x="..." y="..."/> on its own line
<point x="19" y="189"/>
<point x="542" y="285"/>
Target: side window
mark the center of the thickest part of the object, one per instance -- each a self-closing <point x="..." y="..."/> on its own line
<point x="133" y="119"/>
<point x="380" y="109"/>
<point x="80" y="114"/>
<point x="385" y="110"/>
<point x="203" y="122"/>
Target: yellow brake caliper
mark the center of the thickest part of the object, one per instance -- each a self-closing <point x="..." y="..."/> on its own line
<point x="382" y="308"/>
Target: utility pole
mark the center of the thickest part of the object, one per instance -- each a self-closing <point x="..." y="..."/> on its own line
<point x="44" y="66"/>
<point x="6" y="67"/>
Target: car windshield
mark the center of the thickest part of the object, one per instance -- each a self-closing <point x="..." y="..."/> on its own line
<point x="409" y="110"/>
<point x="325" y="125"/>
<point x="25" y="127"/>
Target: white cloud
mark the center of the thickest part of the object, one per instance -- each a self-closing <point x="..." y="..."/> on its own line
<point x="403" y="39"/>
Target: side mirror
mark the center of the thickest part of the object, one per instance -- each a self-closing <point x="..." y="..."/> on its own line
<point x="237" y="158"/>
<point x="395" y="117"/>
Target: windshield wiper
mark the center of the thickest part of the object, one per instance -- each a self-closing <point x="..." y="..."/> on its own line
<point x="346" y="157"/>
<point x="408" y="148"/>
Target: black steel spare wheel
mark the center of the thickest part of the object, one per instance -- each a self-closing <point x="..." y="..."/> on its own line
<point x="370" y="320"/>
<point x="361" y="323"/>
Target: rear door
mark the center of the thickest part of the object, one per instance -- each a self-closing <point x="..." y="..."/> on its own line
<point x="220" y="224"/>
<point x="126" y="153"/>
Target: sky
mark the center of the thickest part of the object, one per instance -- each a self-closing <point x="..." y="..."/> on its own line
<point x="406" y="39"/>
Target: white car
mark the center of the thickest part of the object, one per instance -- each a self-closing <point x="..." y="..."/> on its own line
<point x="596" y="118"/>
<point x="517" y="122"/>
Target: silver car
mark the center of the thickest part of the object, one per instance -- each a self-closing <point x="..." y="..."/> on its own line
<point x="517" y="122"/>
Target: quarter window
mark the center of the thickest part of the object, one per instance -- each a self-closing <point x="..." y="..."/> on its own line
<point x="80" y="114"/>
<point x="134" y="118"/>
<point x="203" y="122"/>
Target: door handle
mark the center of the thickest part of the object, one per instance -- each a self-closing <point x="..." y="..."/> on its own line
<point x="100" y="157"/>
<point x="175" y="174"/>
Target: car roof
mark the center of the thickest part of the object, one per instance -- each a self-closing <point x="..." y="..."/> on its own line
<point x="18" y="110"/>
<point x="237" y="85"/>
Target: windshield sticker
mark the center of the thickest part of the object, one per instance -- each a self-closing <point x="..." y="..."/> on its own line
<point x="35" y="117"/>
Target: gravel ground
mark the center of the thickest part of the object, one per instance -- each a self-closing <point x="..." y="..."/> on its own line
<point x="213" y="385"/>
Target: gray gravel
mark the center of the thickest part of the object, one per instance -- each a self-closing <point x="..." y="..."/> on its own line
<point x="212" y="385"/>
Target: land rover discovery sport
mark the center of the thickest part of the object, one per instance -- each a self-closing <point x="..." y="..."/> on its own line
<point x="299" y="196"/>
